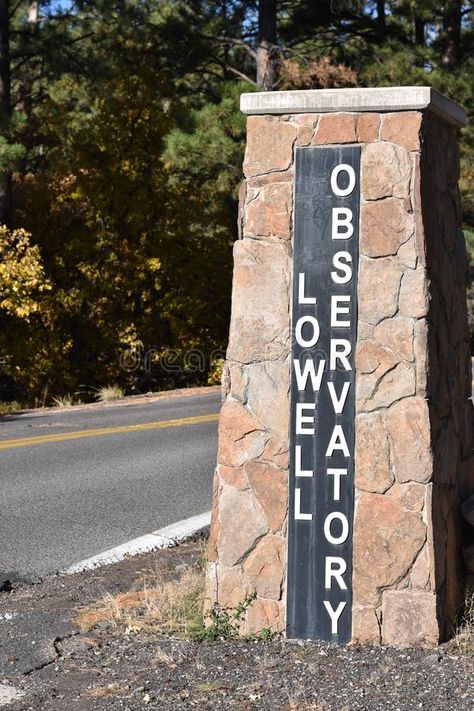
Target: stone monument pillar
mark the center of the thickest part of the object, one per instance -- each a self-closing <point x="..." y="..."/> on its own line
<point x="346" y="431"/>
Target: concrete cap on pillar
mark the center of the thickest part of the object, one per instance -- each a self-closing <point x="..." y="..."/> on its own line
<point x="403" y="98"/>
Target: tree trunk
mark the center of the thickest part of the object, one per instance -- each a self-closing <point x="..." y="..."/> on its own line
<point x="267" y="58"/>
<point x="451" y="38"/>
<point x="33" y="10"/>
<point x="5" y="106"/>
<point x="419" y="32"/>
<point x="25" y="88"/>
<point x="381" y="20"/>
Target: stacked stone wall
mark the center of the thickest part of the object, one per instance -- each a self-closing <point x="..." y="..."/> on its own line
<point x="449" y="375"/>
<point x="412" y="447"/>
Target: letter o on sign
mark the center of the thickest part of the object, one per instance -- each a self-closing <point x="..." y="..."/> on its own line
<point x="343" y="168"/>
<point x="336" y="540"/>
<point x="310" y="342"/>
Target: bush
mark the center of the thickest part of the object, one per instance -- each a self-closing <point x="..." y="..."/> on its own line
<point x="215" y="374"/>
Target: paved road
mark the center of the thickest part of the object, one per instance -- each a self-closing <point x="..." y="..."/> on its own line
<point x="70" y="491"/>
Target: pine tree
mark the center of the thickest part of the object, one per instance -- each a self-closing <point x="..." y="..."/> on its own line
<point x="5" y="112"/>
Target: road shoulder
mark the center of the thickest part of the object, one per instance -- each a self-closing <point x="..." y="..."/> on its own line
<point x="56" y="666"/>
<point x="128" y="400"/>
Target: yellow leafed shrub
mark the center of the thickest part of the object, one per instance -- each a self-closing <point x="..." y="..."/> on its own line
<point x="22" y="277"/>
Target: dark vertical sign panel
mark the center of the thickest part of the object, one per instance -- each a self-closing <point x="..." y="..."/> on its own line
<point x="326" y="253"/>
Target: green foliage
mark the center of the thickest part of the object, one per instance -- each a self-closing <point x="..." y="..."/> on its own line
<point x="125" y="144"/>
<point x="222" y="623"/>
<point x="10" y="154"/>
<point x="207" y="149"/>
<point x="469" y="237"/>
<point x="7" y="408"/>
<point x="132" y="246"/>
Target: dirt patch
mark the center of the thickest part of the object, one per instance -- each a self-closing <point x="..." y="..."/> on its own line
<point x="106" y="666"/>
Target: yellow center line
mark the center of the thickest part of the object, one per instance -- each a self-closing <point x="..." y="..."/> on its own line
<point x="159" y="424"/>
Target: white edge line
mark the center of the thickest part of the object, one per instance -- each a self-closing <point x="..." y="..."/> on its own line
<point x="163" y="538"/>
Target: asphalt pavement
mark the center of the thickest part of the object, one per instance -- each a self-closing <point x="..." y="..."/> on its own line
<point x="76" y="482"/>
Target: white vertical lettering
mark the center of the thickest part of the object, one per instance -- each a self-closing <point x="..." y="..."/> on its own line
<point x="342" y="219"/>
<point x="339" y="262"/>
<point x="337" y="309"/>
<point x="334" y="614"/>
<point x="299" y="331"/>
<point x="337" y="442"/>
<point x="302" y="420"/>
<point x="309" y="372"/>
<point x="343" y="168"/>
<point x="302" y="299"/>
<point x="337" y="473"/>
<point x="299" y="515"/>
<point x="338" y="403"/>
<point x="342" y="538"/>
<point x="298" y="470"/>
<point x="335" y="567"/>
<point x="340" y="348"/>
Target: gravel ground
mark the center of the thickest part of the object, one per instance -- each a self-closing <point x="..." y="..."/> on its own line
<point x="47" y="664"/>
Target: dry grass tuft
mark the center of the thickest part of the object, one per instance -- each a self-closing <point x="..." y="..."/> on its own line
<point x="208" y="687"/>
<point x="464" y="638"/>
<point x="67" y="400"/>
<point x="100" y="692"/>
<point x="172" y="608"/>
<point x="110" y="392"/>
<point x="163" y="659"/>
